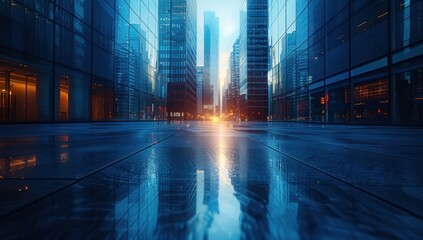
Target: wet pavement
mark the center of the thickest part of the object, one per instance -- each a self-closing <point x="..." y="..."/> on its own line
<point x="210" y="181"/>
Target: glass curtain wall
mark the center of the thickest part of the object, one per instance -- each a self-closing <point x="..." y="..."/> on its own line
<point x="358" y="61"/>
<point x="80" y="60"/>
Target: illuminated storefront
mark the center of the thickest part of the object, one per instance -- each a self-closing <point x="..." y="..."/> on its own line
<point x="86" y="60"/>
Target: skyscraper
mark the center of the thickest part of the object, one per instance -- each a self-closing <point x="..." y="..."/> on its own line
<point x="254" y="56"/>
<point x="178" y="55"/>
<point x="347" y="61"/>
<point x="233" y="96"/>
<point x="64" y="61"/>
<point x="200" y="75"/>
<point x="211" y="57"/>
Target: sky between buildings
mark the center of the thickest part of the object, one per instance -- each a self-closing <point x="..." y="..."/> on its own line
<point x="228" y="13"/>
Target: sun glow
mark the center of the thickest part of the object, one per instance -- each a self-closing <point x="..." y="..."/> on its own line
<point x="215" y="119"/>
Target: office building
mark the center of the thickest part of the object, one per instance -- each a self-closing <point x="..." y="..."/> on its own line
<point x="233" y="94"/>
<point x="200" y="74"/>
<point x="254" y="57"/>
<point x="79" y="61"/>
<point x="347" y="61"/>
<point x="211" y="58"/>
<point x="178" y="55"/>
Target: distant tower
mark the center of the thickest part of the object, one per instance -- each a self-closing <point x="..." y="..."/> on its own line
<point x="200" y="74"/>
<point x="233" y="87"/>
<point x="211" y="56"/>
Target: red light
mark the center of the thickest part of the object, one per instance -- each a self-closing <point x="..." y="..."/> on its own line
<point x="322" y="100"/>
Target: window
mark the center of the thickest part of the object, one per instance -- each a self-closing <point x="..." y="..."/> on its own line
<point x="371" y="100"/>
<point x="339" y="103"/>
<point x="369" y="30"/>
<point x="408" y="101"/>
<point x="317" y="105"/>
<point x="408" y="26"/>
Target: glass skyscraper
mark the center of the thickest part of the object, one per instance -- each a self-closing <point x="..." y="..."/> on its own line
<point x="200" y="75"/>
<point x="233" y="101"/>
<point x="254" y="59"/>
<point x="80" y="60"/>
<point x="211" y="62"/>
<point x="178" y="55"/>
<point x="357" y="61"/>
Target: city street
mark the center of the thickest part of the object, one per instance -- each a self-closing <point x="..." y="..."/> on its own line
<point x="203" y="180"/>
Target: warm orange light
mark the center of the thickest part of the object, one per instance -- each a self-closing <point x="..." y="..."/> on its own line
<point x="215" y="119"/>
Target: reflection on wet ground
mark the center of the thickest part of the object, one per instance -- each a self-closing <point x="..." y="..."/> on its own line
<point x="211" y="181"/>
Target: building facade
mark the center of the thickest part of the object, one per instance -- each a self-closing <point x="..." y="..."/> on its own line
<point x="86" y="60"/>
<point x="200" y="75"/>
<point x="211" y="59"/>
<point x="178" y="55"/>
<point x="254" y="59"/>
<point x="233" y="94"/>
<point x="347" y="61"/>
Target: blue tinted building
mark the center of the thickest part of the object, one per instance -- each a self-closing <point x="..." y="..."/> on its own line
<point x="233" y="96"/>
<point x="211" y="62"/>
<point x="178" y="55"/>
<point x="80" y="60"/>
<point x="254" y="59"/>
<point x="200" y="76"/>
<point x="357" y="61"/>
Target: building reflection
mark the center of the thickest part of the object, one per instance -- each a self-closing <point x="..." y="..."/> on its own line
<point x="9" y="165"/>
<point x="63" y="149"/>
<point x="211" y="188"/>
<point x="188" y="198"/>
<point x="185" y="193"/>
<point x="208" y="194"/>
<point x="250" y="179"/>
<point x="120" y="202"/>
<point x="14" y="164"/>
<point x="283" y="199"/>
<point x="208" y="182"/>
<point x="306" y="204"/>
<point x="177" y="194"/>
